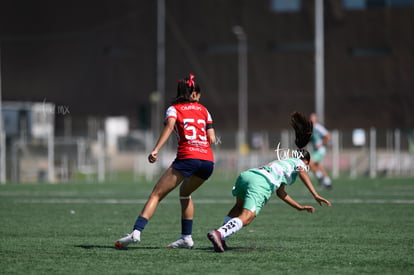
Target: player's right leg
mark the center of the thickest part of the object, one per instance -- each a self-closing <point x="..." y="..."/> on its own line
<point x="123" y="243"/>
<point x="168" y="181"/>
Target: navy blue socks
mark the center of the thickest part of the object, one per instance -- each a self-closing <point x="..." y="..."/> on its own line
<point x="140" y="223"/>
<point x="186" y="227"/>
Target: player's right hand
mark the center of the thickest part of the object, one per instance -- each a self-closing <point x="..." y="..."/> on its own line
<point x="152" y="157"/>
<point x="310" y="209"/>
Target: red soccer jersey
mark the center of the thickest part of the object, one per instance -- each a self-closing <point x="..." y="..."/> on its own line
<point x="191" y="131"/>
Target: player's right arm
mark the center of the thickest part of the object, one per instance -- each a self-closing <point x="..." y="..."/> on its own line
<point x="166" y="132"/>
<point x="306" y="180"/>
<point x="281" y="193"/>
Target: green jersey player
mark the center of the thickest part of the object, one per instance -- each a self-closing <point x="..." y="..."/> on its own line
<point x="255" y="186"/>
<point x="319" y="140"/>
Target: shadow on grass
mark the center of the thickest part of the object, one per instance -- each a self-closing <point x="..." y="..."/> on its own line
<point x="209" y="249"/>
<point x="89" y="246"/>
<point x="235" y="249"/>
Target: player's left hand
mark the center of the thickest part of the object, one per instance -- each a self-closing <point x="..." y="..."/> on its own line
<point x="321" y="200"/>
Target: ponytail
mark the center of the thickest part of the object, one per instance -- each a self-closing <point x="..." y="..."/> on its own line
<point x="303" y="129"/>
<point x="303" y="133"/>
<point x="184" y="89"/>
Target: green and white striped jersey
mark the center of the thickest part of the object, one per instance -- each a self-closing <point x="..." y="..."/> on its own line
<point x="283" y="171"/>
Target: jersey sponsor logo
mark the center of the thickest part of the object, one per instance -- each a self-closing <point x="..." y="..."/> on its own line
<point x="197" y="143"/>
<point x="190" y="107"/>
<point x="197" y="149"/>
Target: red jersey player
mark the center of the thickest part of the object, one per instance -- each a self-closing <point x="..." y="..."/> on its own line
<point x="193" y="165"/>
<point x="191" y="126"/>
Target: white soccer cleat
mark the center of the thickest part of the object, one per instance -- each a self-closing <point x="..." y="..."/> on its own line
<point x="123" y="243"/>
<point x="182" y="243"/>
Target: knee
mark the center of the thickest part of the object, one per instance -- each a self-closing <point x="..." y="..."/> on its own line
<point x="185" y="191"/>
<point x="247" y="217"/>
<point x="184" y="194"/>
<point x="235" y="211"/>
<point x="157" y="196"/>
<point x="248" y="221"/>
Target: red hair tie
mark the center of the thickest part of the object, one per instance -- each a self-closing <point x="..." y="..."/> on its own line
<point x="190" y="82"/>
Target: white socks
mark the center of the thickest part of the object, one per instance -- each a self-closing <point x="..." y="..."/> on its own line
<point x="319" y="175"/>
<point x="226" y="219"/>
<point x="186" y="237"/>
<point x="136" y="235"/>
<point x="231" y="227"/>
<point x="327" y="181"/>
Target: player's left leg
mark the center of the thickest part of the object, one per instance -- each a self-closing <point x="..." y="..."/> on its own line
<point x="188" y="186"/>
<point x="236" y="210"/>
<point x="200" y="171"/>
<point x="326" y="180"/>
<point x="316" y="170"/>
<point x="231" y="227"/>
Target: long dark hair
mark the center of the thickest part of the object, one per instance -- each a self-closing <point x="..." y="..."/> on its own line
<point x="184" y="89"/>
<point x="303" y="132"/>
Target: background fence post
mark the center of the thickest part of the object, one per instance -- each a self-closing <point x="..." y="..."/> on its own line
<point x="2" y="155"/>
<point x="101" y="156"/>
<point x="51" y="155"/>
<point x="397" y="152"/>
<point x="372" y="152"/>
<point x="335" y="154"/>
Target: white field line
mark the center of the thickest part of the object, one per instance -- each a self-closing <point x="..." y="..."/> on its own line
<point x="202" y="201"/>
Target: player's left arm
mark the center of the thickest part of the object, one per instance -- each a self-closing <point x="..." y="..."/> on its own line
<point x="306" y="180"/>
<point x="211" y="135"/>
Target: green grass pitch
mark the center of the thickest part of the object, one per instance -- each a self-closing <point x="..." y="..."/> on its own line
<point x="70" y="228"/>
